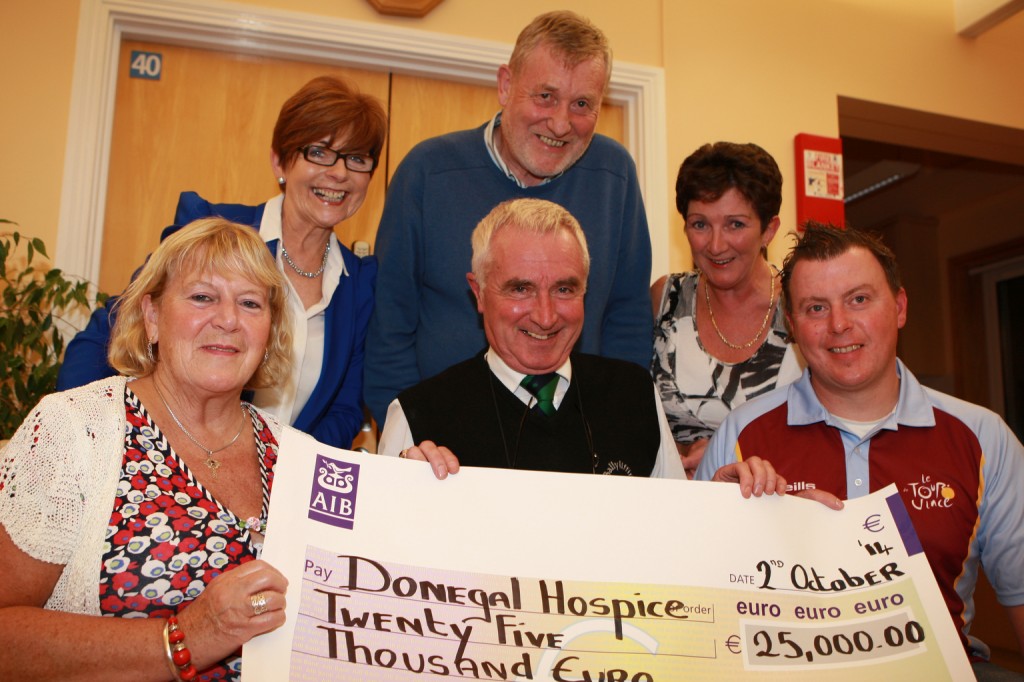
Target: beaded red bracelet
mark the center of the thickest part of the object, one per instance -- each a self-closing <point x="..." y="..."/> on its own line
<point x="178" y="655"/>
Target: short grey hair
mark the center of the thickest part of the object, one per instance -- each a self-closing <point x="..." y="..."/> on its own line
<point x="534" y="216"/>
<point x="572" y="37"/>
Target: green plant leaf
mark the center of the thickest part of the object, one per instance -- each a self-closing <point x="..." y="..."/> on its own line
<point x="31" y="344"/>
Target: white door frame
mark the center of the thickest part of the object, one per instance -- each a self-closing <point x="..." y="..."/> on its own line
<point x="103" y="24"/>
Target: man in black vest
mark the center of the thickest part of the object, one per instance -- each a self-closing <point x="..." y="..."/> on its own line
<point x="528" y="401"/>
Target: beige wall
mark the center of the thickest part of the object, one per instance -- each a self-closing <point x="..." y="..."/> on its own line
<point x="735" y="69"/>
<point x="37" y="52"/>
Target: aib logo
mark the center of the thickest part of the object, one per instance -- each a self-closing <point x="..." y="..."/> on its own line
<point x="333" y="498"/>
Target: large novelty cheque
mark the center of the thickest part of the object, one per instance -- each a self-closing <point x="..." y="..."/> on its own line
<point x="515" y="575"/>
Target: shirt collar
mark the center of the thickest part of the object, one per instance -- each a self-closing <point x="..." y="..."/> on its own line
<point x="913" y="408"/>
<point x="511" y="379"/>
<point x="492" y="149"/>
<point x="270" y="224"/>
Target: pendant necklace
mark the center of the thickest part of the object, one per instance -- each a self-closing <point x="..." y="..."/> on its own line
<point x="211" y="463"/>
<point x="305" y="273"/>
<point x="764" y="322"/>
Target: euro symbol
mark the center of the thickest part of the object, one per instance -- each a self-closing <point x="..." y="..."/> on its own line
<point x="873" y="524"/>
<point x="733" y="644"/>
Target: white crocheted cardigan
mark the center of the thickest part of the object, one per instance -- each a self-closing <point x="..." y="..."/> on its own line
<point x="58" y="478"/>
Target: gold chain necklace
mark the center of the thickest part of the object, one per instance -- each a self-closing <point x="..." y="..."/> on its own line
<point x="764" y="322"/>
<point x="211" y="463"/>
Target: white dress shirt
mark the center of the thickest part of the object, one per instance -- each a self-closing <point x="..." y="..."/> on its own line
<point x="286" y="400"/>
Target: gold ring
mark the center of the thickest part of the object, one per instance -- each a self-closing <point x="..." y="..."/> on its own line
<point x="403" y="453"/>
<point x="259" y="603"/>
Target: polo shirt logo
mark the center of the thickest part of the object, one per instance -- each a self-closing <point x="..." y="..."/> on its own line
<point x="797" y="486"/>
<point x="929" y="494"/>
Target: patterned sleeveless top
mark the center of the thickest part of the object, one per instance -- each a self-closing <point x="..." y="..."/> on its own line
<point x="168" y="537"/>
<point x="697" y="390"/>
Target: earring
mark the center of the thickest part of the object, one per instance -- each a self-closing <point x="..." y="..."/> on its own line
<point x="280" y="181"/>
<point x="266" y="355"/>
<point x="149" y="351"/>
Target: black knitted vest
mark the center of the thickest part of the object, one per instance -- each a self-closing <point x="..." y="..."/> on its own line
<point x="609" y="409"/>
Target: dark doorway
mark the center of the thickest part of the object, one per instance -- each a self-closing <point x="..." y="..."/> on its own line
<point x="1010" y="306"/>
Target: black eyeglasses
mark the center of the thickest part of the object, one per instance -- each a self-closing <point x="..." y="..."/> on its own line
<point x="325" y="156"/>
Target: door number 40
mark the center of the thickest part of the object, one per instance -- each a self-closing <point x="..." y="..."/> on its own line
<point x="146" y="65"/>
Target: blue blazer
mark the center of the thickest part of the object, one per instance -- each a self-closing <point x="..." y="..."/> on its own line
<point x="334" y="412"/>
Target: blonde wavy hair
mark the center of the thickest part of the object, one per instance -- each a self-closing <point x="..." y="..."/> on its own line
<point x="207" y="245"/>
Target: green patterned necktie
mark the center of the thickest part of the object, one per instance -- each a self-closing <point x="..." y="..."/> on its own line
<point x="542" y="386"/>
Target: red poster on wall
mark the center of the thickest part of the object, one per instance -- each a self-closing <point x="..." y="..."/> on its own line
<point x="819" y="179"/>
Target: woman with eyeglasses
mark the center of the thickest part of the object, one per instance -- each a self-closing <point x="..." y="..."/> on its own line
<point x="325" y="147"/>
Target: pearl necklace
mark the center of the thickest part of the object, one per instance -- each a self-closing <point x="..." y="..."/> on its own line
<point x="764" y="322"/>
<point x="211" y="463"/>
<point x="304" y="273"/>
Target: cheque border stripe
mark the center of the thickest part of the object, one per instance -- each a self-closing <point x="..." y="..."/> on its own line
<point x="911" y="542"/>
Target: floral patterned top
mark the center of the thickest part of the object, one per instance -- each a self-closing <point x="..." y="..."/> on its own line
<point x="168" y="537"/>
<point x="698" y="390"/>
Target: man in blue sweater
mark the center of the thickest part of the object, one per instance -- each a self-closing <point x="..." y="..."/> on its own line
<point x="541" y="145"/>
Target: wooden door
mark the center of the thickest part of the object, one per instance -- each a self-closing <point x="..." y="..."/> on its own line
<point x="205" y="125"/>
